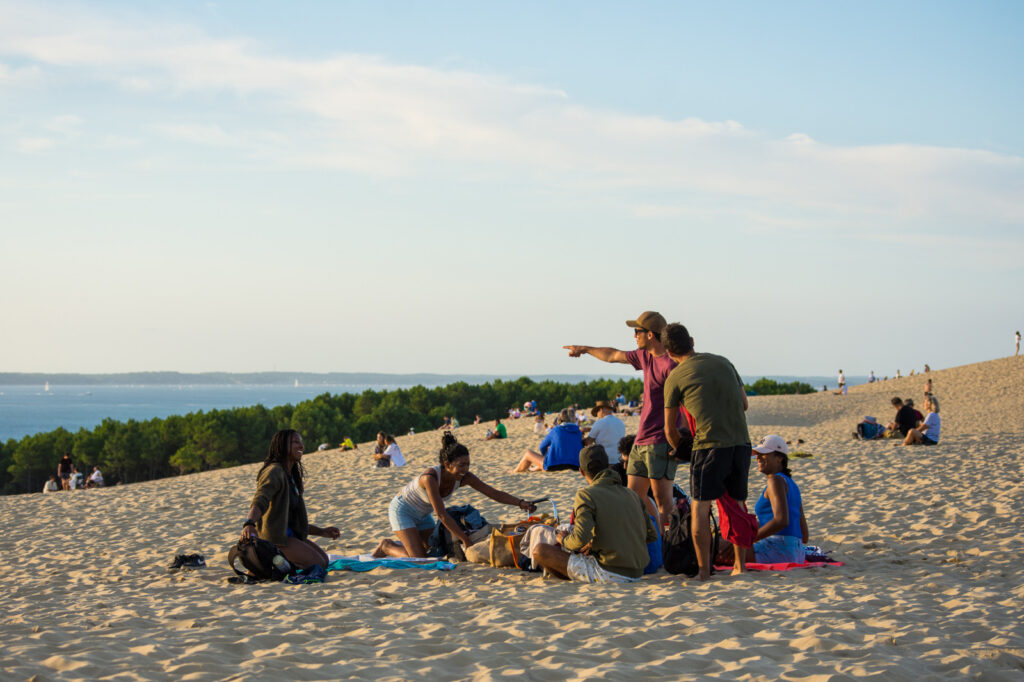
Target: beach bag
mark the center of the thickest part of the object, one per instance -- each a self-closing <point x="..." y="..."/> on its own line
<point x="684" y="450"/>
<point x="253" y="560"/>
<point x="443" y="544"/>
<point x="677" y="550"/>
<point x="869" y="429"/>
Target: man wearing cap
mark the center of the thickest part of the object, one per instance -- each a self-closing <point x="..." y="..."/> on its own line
<point x="608" y="541"/>
<point x="650" y="466"/>
<point x="712" y="391"/>
<point x="608" y="430"/>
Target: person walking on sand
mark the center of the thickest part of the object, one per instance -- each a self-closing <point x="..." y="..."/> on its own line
<point x="649" y="463"/>
<point x="711" y="390"/>
<point x="1016" y="343"/>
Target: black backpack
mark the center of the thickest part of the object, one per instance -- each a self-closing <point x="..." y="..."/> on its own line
<point x="677" y="551"/>
<point x="253" y="560"/>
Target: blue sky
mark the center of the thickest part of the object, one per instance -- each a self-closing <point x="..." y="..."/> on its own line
<point x="455" y="187"/>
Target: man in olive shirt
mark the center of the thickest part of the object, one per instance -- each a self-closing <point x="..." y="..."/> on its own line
<point x="712" y="391"/>
<point x="608" y="542"/>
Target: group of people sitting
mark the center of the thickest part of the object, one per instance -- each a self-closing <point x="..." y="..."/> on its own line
<point x="909" y="424"/>
<point x="606" y="542"/>
<point x="386" y="452"/>
<point x="68" y="477"/>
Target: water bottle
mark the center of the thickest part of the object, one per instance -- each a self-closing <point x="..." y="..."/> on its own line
<point x="281" y="564"/>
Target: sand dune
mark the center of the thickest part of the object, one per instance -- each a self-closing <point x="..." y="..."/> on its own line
<point x="933" y="586"/>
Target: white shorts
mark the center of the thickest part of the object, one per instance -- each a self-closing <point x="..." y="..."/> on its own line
<point x="585" y="569"/>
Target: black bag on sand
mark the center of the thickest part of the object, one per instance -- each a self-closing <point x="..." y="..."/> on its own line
<point x="677" y="550"/>
<point x="254" y="561"/>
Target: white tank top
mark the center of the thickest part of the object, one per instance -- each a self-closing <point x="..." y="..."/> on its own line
<point x="415" y="495"/>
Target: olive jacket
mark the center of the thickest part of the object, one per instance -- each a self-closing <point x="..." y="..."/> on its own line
<point x="281" y="505"/>
<point x="614" y="518"/>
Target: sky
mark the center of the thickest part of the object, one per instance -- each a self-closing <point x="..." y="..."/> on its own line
<point x="467" y="187"/>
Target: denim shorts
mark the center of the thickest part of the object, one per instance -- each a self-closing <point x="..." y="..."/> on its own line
<point x="779" y="549"/>
<point x="403" y="515"/>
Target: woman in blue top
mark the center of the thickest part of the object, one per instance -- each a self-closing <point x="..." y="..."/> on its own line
<point x="779" y="509"/>
<point x="559" y="450"/>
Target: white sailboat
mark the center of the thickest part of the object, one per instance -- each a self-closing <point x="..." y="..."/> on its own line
<point x="46" y="388"/>
<point x="296" y="383"/>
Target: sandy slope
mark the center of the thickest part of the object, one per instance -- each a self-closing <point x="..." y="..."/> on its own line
<point x="933" y="585"/>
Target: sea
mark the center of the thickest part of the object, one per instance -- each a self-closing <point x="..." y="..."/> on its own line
<point x="31" y="409"/>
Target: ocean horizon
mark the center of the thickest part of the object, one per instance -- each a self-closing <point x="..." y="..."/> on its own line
<point x="37" y="403"/>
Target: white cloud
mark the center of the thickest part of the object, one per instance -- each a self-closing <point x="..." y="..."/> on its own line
<point x="32" y="145"/>
<point x="365" y="114"/>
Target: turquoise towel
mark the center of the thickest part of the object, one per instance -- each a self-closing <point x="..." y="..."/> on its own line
<point x="356" y="565"/>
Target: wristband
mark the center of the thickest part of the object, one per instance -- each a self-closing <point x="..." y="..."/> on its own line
<point x="248" y="522"/>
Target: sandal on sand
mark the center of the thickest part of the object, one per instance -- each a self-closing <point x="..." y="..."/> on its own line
<point x="187" y="561"/>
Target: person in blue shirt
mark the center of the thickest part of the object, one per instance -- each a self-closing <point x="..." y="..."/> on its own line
<point x="780" y="511"/>
<point x="559" y="450"/>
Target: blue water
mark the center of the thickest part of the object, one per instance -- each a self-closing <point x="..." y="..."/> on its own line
<point x="25" y="410"/>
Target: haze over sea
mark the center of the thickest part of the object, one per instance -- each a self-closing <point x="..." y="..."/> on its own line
<point x="45" y="405"/>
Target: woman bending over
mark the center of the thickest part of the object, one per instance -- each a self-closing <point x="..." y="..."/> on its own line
<point x="411" y="509"/>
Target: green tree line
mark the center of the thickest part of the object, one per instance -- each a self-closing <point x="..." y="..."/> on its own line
<point x="132" y="451"/>
<point x="765" y="386"/>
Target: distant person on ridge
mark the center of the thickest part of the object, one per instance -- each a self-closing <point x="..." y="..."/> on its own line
<point x="64" y="471"/>
<point x="649" y="463"/>
<point x="1016" y="343"/>
<point x="499" y="431"/>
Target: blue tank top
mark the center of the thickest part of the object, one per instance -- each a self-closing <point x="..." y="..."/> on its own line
<point x="763" y="508"/>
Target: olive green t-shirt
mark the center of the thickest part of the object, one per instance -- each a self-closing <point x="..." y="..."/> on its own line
<point x="711" y="390"/>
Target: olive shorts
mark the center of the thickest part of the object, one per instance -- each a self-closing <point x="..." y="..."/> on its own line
<point x="651" y="461"/>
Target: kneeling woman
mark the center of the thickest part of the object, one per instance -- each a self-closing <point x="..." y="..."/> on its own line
<point x="410" y="510"/>
<point x="278" y="513"/>
<point x="779" y="509"/>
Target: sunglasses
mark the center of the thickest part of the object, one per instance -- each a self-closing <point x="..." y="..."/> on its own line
<point x="639" y="330"/>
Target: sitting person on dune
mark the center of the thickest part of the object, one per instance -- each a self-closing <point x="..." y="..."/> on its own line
<point x="608" y="541"/>
<point x="559" y="450"/>
<point x="780" y="511"/>
<point x="928" y="432"/>
<point x="410" y="510"/>
<point x="499" y="431"/>
<point x="278" y="513"/>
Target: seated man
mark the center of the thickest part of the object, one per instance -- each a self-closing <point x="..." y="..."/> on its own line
<point x="95" y="479"/>
<point x="499" y="431"/>
<point x="608" y="430"/>
<point x="559" y="450"/>
<point x="906" y="418"/>
<point x="608" y="542"/>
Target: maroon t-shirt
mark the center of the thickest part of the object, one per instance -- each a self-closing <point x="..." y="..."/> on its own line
<point x="652" y="416"/>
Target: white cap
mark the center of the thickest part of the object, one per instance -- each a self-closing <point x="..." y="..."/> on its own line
<point x="772" y="444"/>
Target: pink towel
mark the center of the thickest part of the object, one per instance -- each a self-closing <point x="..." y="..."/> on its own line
<point x="754" y="566"/>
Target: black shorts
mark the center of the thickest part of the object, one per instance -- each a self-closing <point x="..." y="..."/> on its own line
<point x="716" y="471"/>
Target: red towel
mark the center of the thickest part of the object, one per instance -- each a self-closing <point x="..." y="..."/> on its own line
<point x="753" y="566"/>
<point x="738" y="526"/>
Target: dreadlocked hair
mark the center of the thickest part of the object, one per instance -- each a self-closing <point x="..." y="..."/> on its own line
<point x="280" y="446"/>
<point x="451" y="449"/>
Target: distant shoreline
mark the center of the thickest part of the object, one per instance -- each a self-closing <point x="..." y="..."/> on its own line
<point x="332" y="378"/>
